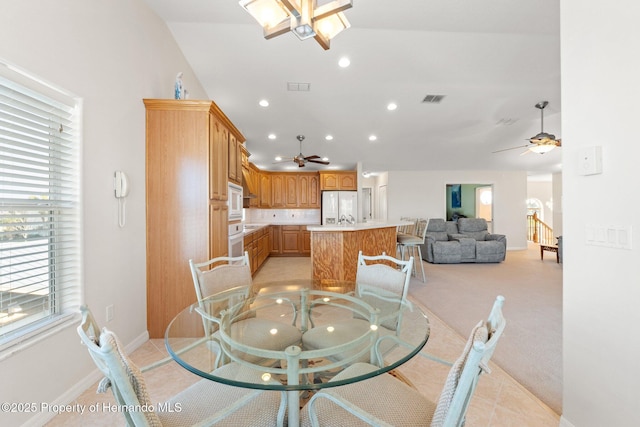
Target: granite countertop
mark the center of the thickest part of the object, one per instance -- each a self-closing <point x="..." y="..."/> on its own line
<point x="357" y="226"/>
<point x="253" y="227"/>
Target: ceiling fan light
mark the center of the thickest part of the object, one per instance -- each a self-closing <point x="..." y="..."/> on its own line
<point x="268" y="13"/>
<point x="542" y="148"/>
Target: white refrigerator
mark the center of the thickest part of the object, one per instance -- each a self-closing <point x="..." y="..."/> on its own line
<point x="339" y="207"/>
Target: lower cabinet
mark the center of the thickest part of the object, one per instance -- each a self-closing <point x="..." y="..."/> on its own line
<point x="257" y="245"/>
<point x="290" y="240"/>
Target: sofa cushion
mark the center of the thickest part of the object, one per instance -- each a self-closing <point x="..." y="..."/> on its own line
<point x="475" y="228"/>
<point x="467" y="249"/>
<point x="452" y="227"/>
<point x="447" y="253"/>
<point x="438" y="235"/>
<point x="490" y="251"/>
<point x="436" y="225"/>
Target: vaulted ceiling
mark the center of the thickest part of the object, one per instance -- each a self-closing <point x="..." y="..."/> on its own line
<point x="493" y="60"/>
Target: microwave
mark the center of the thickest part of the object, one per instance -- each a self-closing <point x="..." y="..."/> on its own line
<point x="235" y="202"/>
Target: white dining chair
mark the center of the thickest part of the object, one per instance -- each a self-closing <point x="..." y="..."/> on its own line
<point x="230" y="278"/>
<point x="385" y="400"/>
<point x="382" y="281"/>
<point x="204" y="403"/>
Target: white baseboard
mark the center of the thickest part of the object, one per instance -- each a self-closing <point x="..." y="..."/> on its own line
<point x="564" y="422"/>
<point x="80" y="387"/>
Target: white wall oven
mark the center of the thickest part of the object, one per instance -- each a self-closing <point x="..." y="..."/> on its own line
<point x="235" y="202"/>
<point x="236" y="239"/>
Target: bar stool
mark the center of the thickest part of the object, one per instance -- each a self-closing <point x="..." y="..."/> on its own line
<point x="413" y="242"/>
<point x="404" y="231"/>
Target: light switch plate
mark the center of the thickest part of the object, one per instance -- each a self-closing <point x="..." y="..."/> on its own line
<point x="590" y="162"/>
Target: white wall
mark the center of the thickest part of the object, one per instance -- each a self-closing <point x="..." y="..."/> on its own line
<point x="557" y="203"/>
<point x="423" y="194"/>
<point x="601" y="345"/>
<point x="112" y="54"/>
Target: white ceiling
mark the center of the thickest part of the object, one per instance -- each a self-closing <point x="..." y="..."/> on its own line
<point x="492" y="59"/>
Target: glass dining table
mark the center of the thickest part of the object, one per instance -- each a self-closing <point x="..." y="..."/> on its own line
<point x="213" y="332"/>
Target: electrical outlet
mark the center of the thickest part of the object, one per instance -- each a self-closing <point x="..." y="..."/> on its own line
<point x="109" y="313"/>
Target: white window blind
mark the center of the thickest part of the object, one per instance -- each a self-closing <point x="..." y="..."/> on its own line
<point x="40" y="251"/>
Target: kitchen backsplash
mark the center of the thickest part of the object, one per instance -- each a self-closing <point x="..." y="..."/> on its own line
<point x="282" y="216"/>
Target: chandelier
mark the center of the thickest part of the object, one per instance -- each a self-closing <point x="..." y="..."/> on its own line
<point x="301" y="17"/>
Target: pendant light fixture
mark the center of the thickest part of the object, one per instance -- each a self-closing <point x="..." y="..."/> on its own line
<point x="301" y="17"/>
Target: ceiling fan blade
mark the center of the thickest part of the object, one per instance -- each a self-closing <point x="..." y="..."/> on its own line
<point x="312" y="157"/>
<point x="284" y="160"/>
<point x="322" y="162"/>
<point x="512" y="148"/>
<point x="527" y="151"/>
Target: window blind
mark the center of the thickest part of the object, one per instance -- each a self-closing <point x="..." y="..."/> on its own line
<point x="40" y="251"/>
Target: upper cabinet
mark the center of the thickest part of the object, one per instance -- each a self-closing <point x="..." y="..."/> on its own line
<point x="338" y="180"/>
<point x="218" y="159"/>
<point x="290" y="190"/>
<point x="235" y="160"/>
<point x="308" y="190"/>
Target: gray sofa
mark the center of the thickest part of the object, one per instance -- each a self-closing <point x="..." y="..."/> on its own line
<point x="467" y="240"/>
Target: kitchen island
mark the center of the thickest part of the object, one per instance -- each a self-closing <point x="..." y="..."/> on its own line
<point x="334" y="248"/>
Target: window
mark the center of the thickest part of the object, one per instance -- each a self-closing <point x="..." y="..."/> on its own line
<point x="40" y="251"/>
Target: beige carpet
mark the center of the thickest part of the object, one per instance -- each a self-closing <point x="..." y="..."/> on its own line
<point x="461" y="294"/>
<point x="531" y="347"/>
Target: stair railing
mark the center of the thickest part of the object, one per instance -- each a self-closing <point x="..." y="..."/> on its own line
<point x="538" y="231"/>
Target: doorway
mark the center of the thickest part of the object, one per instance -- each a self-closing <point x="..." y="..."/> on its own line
<point x="367" y="203"/>
<point x="484" y="205"/>
<point x="470" y="201"/>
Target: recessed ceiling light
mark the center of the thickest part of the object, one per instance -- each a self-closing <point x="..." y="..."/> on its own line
<point x="263" y="103"/>
<point x="329" y="137"/>
<point x="392" y="106"/>
<point x="325" y="159"/>
<point x="278" y="158"/>
<point x="372" y="138"/>
<point x="272" y="136"/>
<point x="344" y="62"/>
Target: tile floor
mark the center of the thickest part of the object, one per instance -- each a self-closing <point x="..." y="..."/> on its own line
<point x="499" y="400"/>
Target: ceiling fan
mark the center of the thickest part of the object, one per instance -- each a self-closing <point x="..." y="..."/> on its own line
<point x="301" y="159"/>
<point x="542" y="142"/>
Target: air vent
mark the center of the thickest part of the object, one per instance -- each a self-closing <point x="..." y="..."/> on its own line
<point x="506" y="122"/>
<point x="433" y="99"/>
<point x="298" y="87"/>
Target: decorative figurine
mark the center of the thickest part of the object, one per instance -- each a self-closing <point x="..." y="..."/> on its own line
<point x="179" y="91"/>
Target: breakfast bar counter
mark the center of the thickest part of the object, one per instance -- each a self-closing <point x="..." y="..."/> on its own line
<point x="334" y="248"/>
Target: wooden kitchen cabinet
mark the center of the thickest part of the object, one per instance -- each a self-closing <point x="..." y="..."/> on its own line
<point x="278" y="190"/>
<point x="254" y="185"/>
<point x="187" y="160"/>
<point x="218" y="165"/>
<point x="265" y="190"/>
<point x="338" y="180"/>
<point x="219" y="234"/>
<point x="309" y="191"/>
<point x="291" y="190"/>
<point x="235" y="160"/>
<point x="305" y="241"/>
<point x="274" y="240"/>
<point x="290" y="242"/>
<point x="257" y="245"/>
